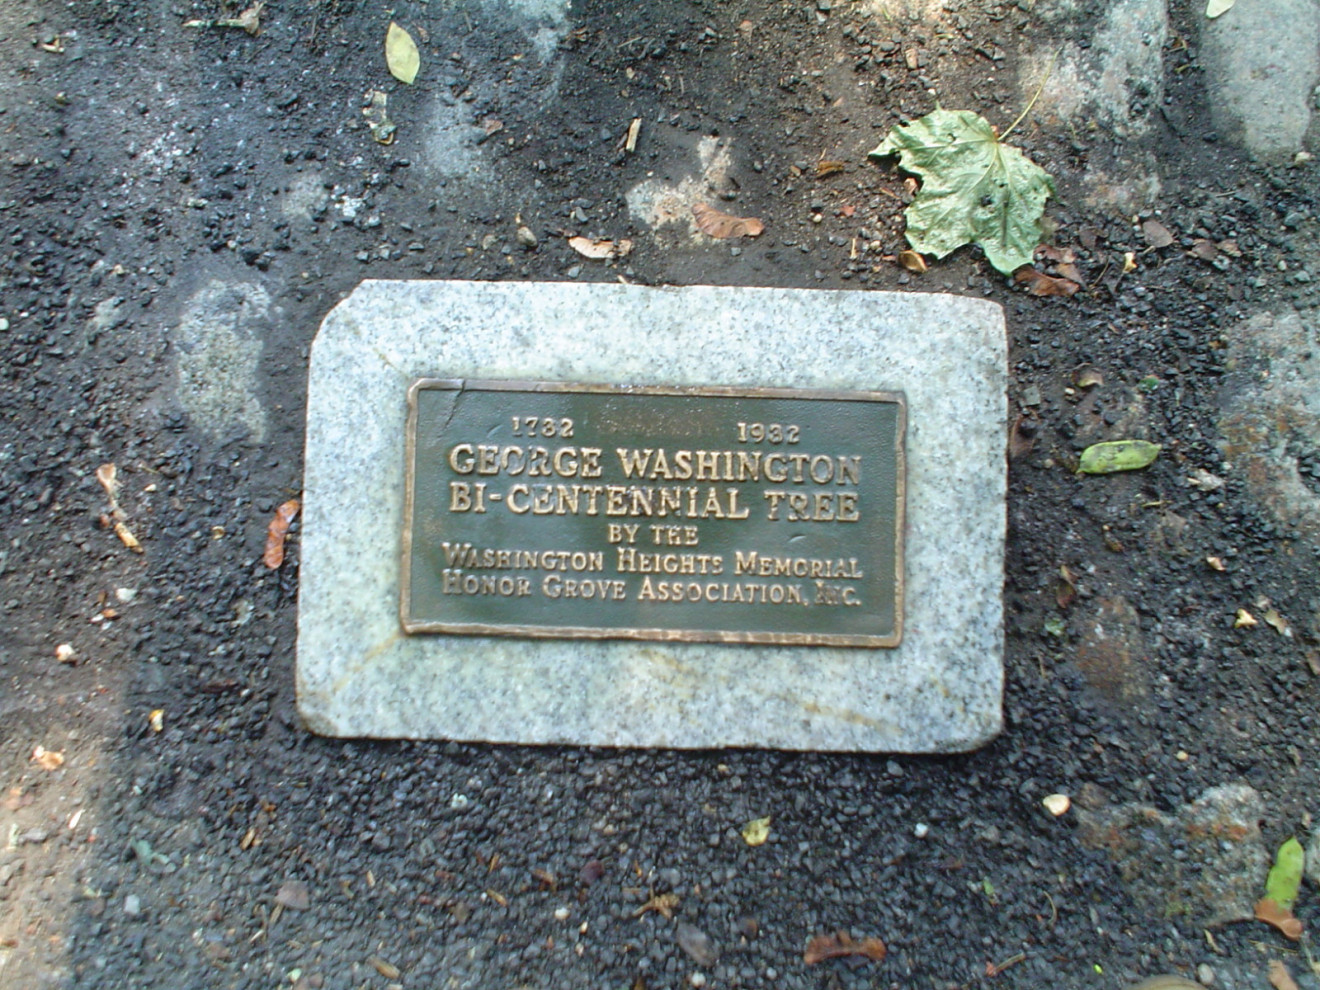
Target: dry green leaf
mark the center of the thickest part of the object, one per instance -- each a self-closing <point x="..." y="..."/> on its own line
<point x="1118" y="455"/>
<point x="1285" y="877"/>
<point x="974" y="188"/>
<point x="756" y="831"/>
<point x="401" y="54"/>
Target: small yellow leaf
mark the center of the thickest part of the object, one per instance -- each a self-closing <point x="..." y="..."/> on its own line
<point x="157" y="720"/>
<point x="1129" y="261"/>
<point x="1244" y="620"/>
<point x="756" y="831"/>
<point x="1278" y="623"/>
<point x="1216" y="7"/>
<point x="912" y="261"/>
<point x="1216" y="563"/>
<point x="401" y="54"/>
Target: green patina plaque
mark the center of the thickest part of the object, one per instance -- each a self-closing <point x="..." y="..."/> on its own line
<point x="730" y="515"/>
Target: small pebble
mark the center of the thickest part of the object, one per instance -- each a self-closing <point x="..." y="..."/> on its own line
<point x="125" y="595"/>
<point x="1057" y="804"/>
<point x="561" y="914"/>
<point x="1205" y="974"/>
<point x="527" y="238"/>
<point x="133" y="906"/>
<point x="921" y="830"/>
<point x="64" y="653"/>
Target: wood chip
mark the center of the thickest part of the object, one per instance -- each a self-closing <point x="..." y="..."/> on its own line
<point x="824" y="168"/>
<point x="713" y="223"/>
<point x="127" y="538"/>
<point x="634" y="130"/>
<point x="662" y="904"/>
<point x="1280" y="978"/>
<point x="387" y="970"/>
<point x="600" y="250"/>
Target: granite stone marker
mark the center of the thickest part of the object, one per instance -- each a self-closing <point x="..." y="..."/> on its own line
<point x="687" y="517"/>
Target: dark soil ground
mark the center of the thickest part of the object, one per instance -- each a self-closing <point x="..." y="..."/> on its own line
<point x="146" y="164"/>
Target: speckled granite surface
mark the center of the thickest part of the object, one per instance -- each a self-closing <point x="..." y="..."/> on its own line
<point x="359" y="675"/>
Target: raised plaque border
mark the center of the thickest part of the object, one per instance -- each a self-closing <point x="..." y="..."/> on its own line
<point x="663" y="635"/>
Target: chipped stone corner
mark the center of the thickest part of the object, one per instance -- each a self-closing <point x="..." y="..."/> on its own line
<point x="666" y="207"/>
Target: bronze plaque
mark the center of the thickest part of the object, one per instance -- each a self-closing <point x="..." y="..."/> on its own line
<point x="725" y="515"/>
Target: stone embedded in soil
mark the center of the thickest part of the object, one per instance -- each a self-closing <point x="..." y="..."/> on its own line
<point x="940" y="690"/>
<point x="1262" y="62"/>
<point x="1206" y="863"/>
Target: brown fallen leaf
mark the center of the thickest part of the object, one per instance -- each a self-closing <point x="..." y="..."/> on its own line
<point x="1060" y="256"/>
<point x="492" y="126"/>
<point x="1040" y="284"/>
<point x="1280" y="978"/>
<point x="1157" y="235"/>
<point x="48" y="759"/>
<point x="600" y="250"/>
<point x="662" y="904"/>
<point x="1269" y="911"/>
<point x="1071" y="272"/>
<point x="1313" y="661"/>
<point x="721" y="225"/>
<point x="127" y="538"/>
<point x="840" y="944"/>
<point x="277" y="531"/>
<point x="913" y="261"/>
<point x="1022" y="437"/>
<point x="824" y="168"/>
<point x="1204" y="249"/>
<point x="1230" y="248"/>
<point x="1065" y="590"/>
